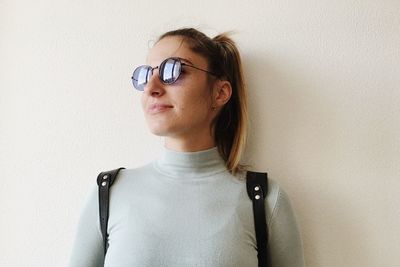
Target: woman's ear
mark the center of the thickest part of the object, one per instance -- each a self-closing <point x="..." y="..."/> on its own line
<point x="222" y="92"/>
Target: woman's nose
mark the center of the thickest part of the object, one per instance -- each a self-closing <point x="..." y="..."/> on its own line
<point x="154" y="86"/>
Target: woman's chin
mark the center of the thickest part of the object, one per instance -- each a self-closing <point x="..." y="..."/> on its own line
<point x="159" y="131"/>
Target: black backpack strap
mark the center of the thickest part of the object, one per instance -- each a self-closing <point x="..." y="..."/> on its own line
<point x="257" y="188"/>
<point x="105" y="181"/>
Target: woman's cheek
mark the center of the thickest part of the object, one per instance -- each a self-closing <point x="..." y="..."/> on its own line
<point x="143" y="101"/>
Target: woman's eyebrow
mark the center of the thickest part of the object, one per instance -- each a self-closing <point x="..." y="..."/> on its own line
<point x="185" y="60"/>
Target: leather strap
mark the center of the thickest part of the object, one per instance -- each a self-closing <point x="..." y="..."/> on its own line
<point x="105" y="181"/>
<point x="257" y="188"/>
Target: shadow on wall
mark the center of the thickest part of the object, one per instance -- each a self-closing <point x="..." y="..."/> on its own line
<point x="295" y="135"/>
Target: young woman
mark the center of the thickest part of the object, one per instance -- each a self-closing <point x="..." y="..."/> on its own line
<point x="190" y="206"/>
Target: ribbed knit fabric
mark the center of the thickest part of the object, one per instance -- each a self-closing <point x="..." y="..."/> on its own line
<point x="184" y="209"/>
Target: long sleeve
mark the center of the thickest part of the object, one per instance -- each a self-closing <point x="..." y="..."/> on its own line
<point x="87" y="249"/>
<point x="286" y="248"/>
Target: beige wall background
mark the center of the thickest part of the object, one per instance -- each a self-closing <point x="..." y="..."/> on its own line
<point x="323" y="80"/>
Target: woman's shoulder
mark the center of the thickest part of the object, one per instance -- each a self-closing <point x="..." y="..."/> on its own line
<point x="276" y="193"/>
<point x="277" y="199"/>
<point x="273" y="192"/>
<point x="134" y="171"/>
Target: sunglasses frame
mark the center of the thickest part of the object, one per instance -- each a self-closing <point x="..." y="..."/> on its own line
<point x="161" y="67"/>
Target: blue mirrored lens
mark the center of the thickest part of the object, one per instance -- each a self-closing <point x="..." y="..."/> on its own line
<point x="170" y="70"/>
<point x="141" y="76"/>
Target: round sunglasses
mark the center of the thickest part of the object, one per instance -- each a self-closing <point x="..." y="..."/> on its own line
<point x="169" y="71"/>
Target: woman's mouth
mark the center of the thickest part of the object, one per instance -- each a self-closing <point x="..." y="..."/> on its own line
<point x="157" y="108"/>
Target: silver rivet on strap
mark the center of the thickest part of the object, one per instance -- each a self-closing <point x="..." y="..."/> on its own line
<point x="257" y="197"/>
<point x="257" y="188"/>
<point x="105" y="177"/>
<point x="104" y="183"/>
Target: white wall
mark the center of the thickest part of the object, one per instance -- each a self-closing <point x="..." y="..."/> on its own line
<point x="323" y="82"/>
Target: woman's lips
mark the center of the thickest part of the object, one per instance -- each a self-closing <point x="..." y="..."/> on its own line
<point x="157" y="108"/>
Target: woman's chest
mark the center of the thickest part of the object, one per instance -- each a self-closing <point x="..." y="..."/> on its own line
<point x="177" y="231"/>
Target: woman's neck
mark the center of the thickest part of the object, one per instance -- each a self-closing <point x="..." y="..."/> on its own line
<point x="189" y="145"/>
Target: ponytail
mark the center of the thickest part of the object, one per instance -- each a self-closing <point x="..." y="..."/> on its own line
<point x="231" y="124"/>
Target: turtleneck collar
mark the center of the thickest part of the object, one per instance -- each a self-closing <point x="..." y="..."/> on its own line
<point x="181" y="165"/>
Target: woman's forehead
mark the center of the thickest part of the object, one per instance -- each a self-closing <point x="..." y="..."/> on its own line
<point x="173" y="46"/>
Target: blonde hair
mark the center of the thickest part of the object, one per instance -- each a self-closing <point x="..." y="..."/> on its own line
<point x="223" y="57"/>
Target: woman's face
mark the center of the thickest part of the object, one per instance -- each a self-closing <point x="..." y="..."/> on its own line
<point x="182" y="110"/>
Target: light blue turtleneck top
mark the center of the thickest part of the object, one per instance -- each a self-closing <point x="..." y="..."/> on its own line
<point x="185" y="209"/>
